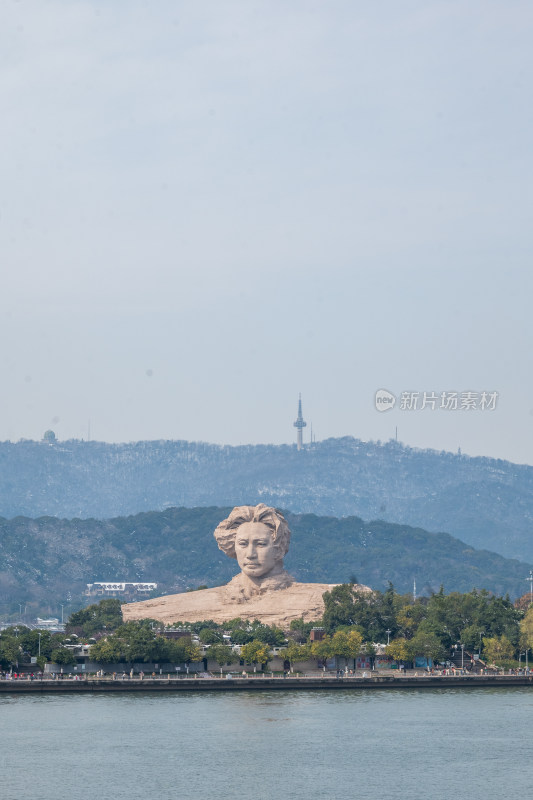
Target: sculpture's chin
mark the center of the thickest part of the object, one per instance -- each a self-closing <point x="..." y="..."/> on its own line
<point x="244" y="586"/>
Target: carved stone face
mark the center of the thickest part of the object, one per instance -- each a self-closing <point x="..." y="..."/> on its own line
<point x="254" y="548"/>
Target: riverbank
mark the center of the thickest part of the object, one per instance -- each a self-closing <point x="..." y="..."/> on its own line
<point x="256" y="683"/>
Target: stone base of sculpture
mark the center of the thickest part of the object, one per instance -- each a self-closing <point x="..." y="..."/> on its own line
<point x="278" y="607"/>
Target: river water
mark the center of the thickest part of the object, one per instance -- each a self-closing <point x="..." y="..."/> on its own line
<point x="416" y="744"/>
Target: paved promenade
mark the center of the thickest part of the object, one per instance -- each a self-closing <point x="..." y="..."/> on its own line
<point x="165" y="683"/>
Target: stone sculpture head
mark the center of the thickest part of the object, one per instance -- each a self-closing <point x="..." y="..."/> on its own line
<point x="258" y="537"/>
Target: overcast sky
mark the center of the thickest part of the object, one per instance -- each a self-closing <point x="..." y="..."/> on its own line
<point x="208" y="207"/>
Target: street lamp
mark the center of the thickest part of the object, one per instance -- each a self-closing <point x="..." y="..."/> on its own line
<point x="62" y="607"/>
<point x="388" y="636"/>
<point x="39" y="644"/>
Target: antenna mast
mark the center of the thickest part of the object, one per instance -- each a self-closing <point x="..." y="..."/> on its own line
<point x="299" y="424"/>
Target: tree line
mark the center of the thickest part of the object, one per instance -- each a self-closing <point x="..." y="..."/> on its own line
<point x="353" y="623"/>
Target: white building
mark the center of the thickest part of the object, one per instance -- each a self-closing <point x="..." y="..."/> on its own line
<point x="114" y="588"/>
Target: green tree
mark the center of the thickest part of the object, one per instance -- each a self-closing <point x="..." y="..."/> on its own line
<point x="107" y="651"/>
<point x="130" y="643"/>
<point x="471" y="637"/>
<point x="197" y="627"/>
<point x="180" y="651"/>
<point x="209" y="636"/>
<point x="373" y="613"/>
<point x="355" y="644"/>
<point x="233" y="624"/>
<point x="35" y="642"/>
<point x="409" y="617"/>
<point x="255" y="652"/>
<point x="498" y="650"/>
<point x="346" y="643"/>
<point x="398" y="649"/>
<point x="192" y="653"/>
<point x="322" y="650"/>
<point x="63" y="656"/>
<point x="10" y="651"/>
<point x="269" y="634"/>
<point x="339" y="645"/>
<point x="526" y="630"/>
<point x="295" y="652"/>
<point x="455" y="616"/>
<point x="222" y="654"/>
<point x="426" y="644"/>
<point x="340" y="607"/>
<point x="240" y="636"/>
<point x="103" y="616"/>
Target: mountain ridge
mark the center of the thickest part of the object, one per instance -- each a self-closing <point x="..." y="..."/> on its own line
<point x="49" y="559"/>
<point x="488" y="503"/>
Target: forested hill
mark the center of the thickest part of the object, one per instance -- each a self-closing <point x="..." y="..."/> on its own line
<point x="485" y="502"/>
<point x="46" y="561"/>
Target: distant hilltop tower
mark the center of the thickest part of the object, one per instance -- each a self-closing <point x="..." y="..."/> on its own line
<point x="299" y="424"/>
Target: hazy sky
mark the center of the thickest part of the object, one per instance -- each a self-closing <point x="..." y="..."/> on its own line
<point x="208" y="207"/>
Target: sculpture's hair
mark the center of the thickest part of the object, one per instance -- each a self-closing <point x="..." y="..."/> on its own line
<point x="227" y="530"/>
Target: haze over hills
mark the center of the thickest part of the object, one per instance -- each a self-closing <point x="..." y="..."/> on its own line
<point x="487" y="503"/>
<point x="48" y="561"/>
